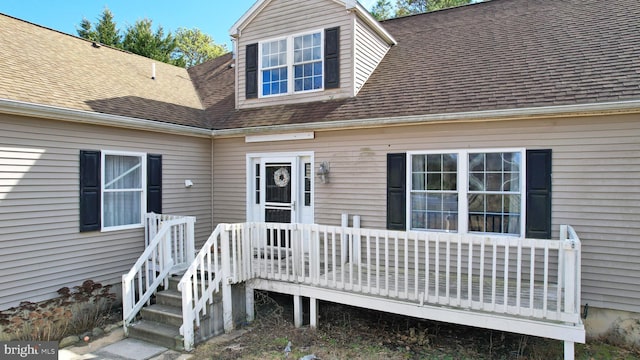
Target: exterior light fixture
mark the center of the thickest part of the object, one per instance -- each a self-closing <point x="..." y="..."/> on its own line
<point x="323" y="172"/>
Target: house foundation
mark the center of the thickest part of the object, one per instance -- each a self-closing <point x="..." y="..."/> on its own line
<point x="616" y="326"/>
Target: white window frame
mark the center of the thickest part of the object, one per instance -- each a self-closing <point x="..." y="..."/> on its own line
<point x="290" y="64"/>
<point x="143" y="190"/>
<point x="463" y="186"/>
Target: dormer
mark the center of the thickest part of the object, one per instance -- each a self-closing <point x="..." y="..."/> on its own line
<point x="295" y="51"/>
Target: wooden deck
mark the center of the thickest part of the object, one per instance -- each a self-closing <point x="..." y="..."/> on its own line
<point x="526" y="286"/>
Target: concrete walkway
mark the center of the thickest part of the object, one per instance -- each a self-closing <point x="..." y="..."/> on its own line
<point x="115" y="346"/>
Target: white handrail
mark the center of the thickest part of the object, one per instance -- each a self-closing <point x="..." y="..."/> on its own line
<point x="198" y="284"/>
<point x="183" y="242"/>
<point x="155" y="264"/>
<point x="222" y="261"/>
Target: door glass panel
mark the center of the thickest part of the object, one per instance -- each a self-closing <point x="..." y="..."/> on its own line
<point x="278" y="180"/>
<point x="277" y="215"/>
<point x="278" y="201"/>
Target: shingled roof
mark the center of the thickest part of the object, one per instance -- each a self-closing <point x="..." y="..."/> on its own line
<point x="501" y="54"/>
<point x="47" y="67"/>
<point x="495" y="55"/>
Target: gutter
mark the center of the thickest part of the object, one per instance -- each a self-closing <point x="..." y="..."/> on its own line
<point x="92" y="118"/>
<point x="21" y="108"/>
<point x="618" y="107"/>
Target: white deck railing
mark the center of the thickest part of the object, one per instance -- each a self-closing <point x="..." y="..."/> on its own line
<point x="499" y="274"/>
<point x="529" y="278"/>
<point x="169" y="246"/>
<point x="182" y="244"/>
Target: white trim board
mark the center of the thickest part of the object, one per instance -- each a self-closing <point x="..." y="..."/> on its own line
<point x="279" y="137"/>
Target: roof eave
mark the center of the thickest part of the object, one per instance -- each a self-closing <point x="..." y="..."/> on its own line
<point x="247" y="16"/>
<point x="372" y="22"/>
<point x="49" y="112"/>
<point x="237" y="27"/>
<point x="593" y="109"/>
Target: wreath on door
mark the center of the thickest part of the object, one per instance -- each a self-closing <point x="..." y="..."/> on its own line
<point x="281" y="177"/>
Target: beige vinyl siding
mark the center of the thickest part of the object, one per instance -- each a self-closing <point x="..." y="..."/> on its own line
<point x="282" y="18"/>
<point x="596" y="183"/>
<point x="42" y="248"/>
<point x="370" y="50"/>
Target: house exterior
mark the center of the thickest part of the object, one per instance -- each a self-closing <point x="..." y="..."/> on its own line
<point x="508" y="117"/>
<point x="62" y="96"/>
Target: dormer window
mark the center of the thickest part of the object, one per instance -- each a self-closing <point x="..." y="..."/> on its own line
<point x="291" y="64"/>
<point x="274" y="67"/>
<point x="307" y="62"/>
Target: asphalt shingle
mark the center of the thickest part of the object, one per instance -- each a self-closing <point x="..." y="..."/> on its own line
<point x="47" y="67"/>
<point x="501" y="54"/>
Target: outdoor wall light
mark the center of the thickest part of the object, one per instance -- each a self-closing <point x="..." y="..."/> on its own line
<point x="188" y="183"/>
<point x="323" y="172"/>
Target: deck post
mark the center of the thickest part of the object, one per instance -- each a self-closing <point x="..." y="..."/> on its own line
<point x="569" y="353"/>
<point x="313" y="310"/>
<point x="345" y="241"/>
<point x="250" y="303"/>
<point x="297" y="311"/>
<point x="186" y="289"/>
<point x="569" y="271"/>
<point x="227" y="308"/>
<point x="355" y="257"/>
<point x="190" y="243"/>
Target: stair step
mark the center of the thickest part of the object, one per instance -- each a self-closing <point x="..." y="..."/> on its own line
<point x="169" y="297"/>
<point x="175" y="279"/>
<point x="164" y="314"/>
<point x="157" y="333"/>
<point x="173" y="282"/>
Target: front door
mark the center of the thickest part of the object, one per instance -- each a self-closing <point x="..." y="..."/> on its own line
<point x="280" y="188"/>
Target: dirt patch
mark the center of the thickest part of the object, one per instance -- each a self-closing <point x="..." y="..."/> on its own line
<point x="352" y="333"/>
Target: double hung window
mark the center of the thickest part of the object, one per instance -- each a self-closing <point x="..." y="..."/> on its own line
<point x="494" y="192"/>
<point x="291" y="64"/>
<point x="467" y="191"/>
<point x="307" y="62"/>
<point x="274" y="67"/>
<point x="434" y="191"/>
<point x="123" y="189"/>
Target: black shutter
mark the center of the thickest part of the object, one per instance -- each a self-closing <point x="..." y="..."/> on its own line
<point x="89" y="190"/>
<point x="154" y="183"/>
<point x="396" y="191"/>
<point x="251" y="71"/>
<point x="331" y="58"/>
<point x="538" y="222"/>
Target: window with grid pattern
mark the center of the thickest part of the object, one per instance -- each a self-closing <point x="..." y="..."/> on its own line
<point x="292" y="64"/>
<point x="467" y="191"/>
